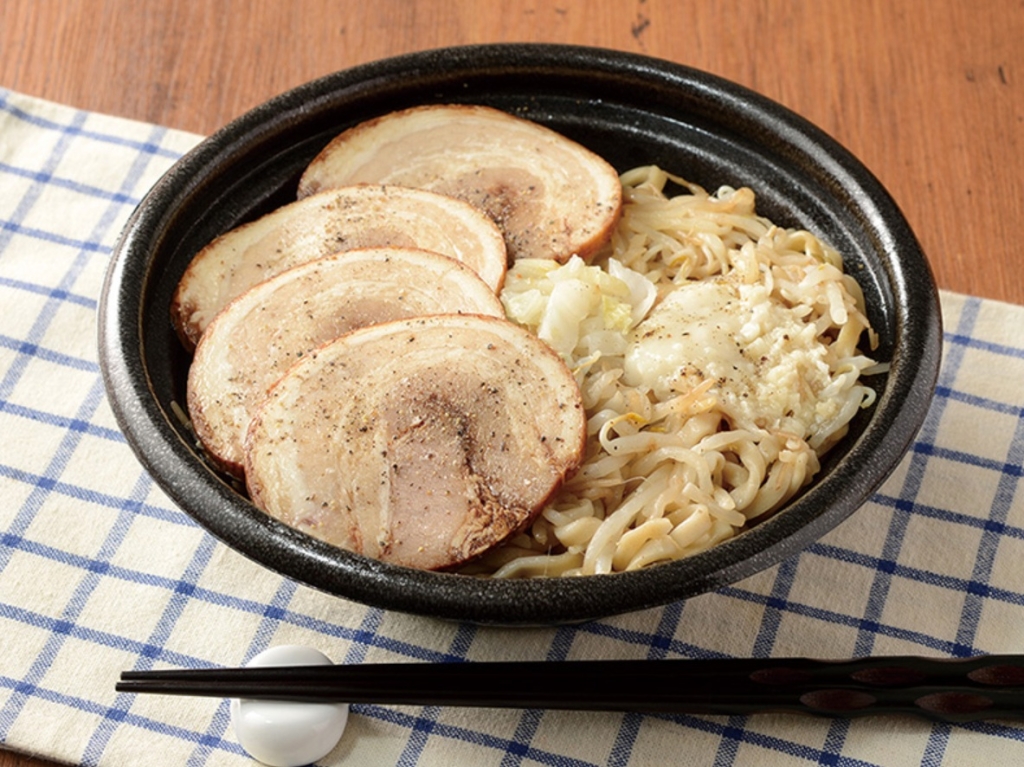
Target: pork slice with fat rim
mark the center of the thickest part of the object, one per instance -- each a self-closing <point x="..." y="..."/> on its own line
<point x="359" y="216"/>
<point x="263" y="332"/>
<point x="420" y="442"/>
<point x="551" y="196"/>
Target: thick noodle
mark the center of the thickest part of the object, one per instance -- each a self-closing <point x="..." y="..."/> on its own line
<point x="671" y="474"/>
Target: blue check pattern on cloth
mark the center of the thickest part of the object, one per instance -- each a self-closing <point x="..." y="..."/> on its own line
<point x="99" y="572"/>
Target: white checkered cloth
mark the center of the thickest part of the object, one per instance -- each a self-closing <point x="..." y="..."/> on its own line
<point x="99" y="572"/>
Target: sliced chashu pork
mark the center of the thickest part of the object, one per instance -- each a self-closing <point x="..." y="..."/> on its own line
<point x="263" y="332"/>
<point x="420" y="442"/>
<point x="338" y="220"/>
<point x="551" y="197"/>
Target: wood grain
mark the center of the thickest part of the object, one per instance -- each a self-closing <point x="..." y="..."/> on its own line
<point x="929" y="94"/>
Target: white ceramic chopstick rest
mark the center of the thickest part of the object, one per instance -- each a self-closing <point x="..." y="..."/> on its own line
<point x="288" y="734"/>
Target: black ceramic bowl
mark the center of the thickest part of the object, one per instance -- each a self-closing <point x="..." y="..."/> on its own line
<point x="633" y="111"/>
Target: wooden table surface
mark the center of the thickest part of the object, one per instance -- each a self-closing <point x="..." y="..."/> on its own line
<point x="929" y="94"/>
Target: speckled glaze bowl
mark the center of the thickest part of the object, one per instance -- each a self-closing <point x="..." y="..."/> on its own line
<point x="633" y="111"/>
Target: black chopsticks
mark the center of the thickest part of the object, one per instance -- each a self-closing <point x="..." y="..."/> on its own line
<point x="985" y="687"/>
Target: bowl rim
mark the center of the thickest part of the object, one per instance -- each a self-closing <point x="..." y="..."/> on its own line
<point x="899" y="411"/>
